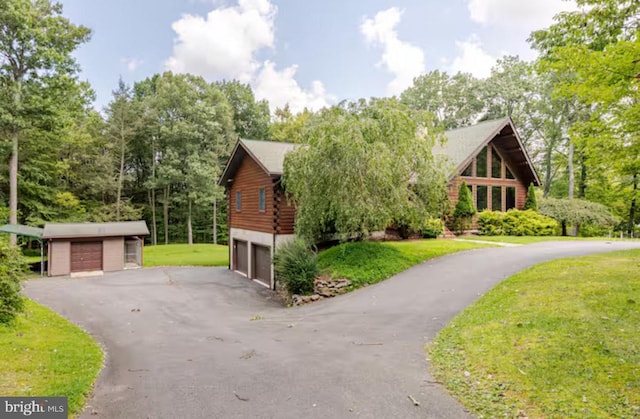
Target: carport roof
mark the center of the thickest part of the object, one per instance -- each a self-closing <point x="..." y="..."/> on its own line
<point x="86" y="230"/>
<point x="22" y="230"/>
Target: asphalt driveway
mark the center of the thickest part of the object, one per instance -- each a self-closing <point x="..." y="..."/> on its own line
<point x="207" y="343"/>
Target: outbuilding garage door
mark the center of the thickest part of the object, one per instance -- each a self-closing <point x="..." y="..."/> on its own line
<point x="240" y="256"/>
<point x="86" y="256"/>
<point x="262" y="264"/>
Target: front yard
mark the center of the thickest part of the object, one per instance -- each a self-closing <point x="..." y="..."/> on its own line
<point x="561" y="339"/>
<point x="370" y="262"/>
<point x="42" y="354"/>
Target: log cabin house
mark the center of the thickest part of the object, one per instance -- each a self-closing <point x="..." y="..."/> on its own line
<point x="489" y="157"/>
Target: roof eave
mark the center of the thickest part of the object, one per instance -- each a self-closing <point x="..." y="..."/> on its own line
<point x="226" y="175"/>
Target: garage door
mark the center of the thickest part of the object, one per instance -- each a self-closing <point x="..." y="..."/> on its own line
<point x="86" y="256"/>
<point x="262" y="264"/>
<point x="241" y="256"/>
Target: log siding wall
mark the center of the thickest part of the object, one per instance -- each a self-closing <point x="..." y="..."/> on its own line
<point x="248" y="180"/>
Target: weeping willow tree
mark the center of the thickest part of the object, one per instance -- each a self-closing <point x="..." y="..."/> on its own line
<point x="367" y="165"/>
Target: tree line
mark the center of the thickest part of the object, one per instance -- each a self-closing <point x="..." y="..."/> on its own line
<point x="157" y="149"/>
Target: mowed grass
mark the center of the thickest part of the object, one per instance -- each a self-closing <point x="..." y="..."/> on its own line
<point x="370" y="262"/>
<point x="532" y="239"/>
<point x="559" y="340"/>
<point x="42" y="354"/>
<point x="186" y="255"/>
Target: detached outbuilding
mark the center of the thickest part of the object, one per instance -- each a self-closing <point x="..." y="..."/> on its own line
<point x="94" y="247"/>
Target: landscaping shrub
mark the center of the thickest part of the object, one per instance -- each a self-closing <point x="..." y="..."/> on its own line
<point x="12" y="271"/>
<point x="296" y="265"/>
<point x="464" y="211"/>
<point x="432" y="228"/>
<point x="515" y="223"/>
<point x="531" y="203"/>
<point x="528" y="223"/>
<point x="491" y="223"/>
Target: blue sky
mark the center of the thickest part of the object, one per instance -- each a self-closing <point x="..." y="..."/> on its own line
<point x="299" y="52"/>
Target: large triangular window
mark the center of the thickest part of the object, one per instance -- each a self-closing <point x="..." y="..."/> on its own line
<point x="508" y="173"/>
<point x="468" y="171"/>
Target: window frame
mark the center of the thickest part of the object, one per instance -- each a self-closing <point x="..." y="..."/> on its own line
<point x="238" y="201"/>
<point x="262" y="200"/>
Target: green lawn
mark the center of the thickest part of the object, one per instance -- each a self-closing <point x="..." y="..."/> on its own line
<point x="371" y="262"/>
<point x="186" y="255"/>
<point x="42" y="354"/>
<point x="33" y="259"/>
<point x="529" y="239"/>
<point x="559" y="340"/>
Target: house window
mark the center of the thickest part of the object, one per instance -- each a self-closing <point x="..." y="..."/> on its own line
<point x="496" y="164"/>
<point x="261" y="200"/>
<point x="468" y="171"/>
<point x="481" y="163"/>
<point x="481" y="199"/>
<point x="496" y="198"/>
<point x="508" y="173"/>
<point x="510" y="197"/>
<point x="238" y="201"/>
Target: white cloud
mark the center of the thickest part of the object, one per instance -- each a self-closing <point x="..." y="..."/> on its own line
<point x="472" y="58"/>
<point x="526" y="15"/>
<point x="400" y="58"/>
<point x="132" y="64"/>
<point x="223" y="45"/>
<point x="281" y="88"/>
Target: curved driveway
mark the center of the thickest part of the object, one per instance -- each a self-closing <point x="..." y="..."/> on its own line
<point x="206" y="343"/>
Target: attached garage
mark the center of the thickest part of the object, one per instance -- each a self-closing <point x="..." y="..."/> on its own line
<point x="261" y="269"/>
<point x="77" y="248"/>
<point x="241" y="257"/>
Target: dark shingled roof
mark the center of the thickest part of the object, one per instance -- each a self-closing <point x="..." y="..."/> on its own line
<point x="80" y="230"/>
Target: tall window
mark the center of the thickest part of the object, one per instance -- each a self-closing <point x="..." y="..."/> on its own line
<point x="510" y="198"/>
<point x="261" y="200"/>
<point x="481" y="192"/>
<point x="238" y="201"/>
<point x="481" y="163"/>
<point x="496" y="164"/>
<point x="496" y="198"/>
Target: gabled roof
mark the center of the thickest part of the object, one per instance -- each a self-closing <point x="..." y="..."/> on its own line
<point x="464" y="143"/>
<point x="268" y="154"/>
<point x="461" y="146"/>
<point x="79" y="230"/>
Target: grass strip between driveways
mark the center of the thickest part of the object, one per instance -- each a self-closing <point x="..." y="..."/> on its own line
<point x="43" y="354"/>
<point x="533" y="239"/>
<point x="370" y="262"/>
<point x="559" y="340"/>
<point x="186" y="255"/>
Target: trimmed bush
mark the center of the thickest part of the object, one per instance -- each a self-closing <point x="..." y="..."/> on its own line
<point x="515" y="223"/>
<point x="432" y="228"/>
<point x="296" y="266"/>
<point x="465" y="209"/>
<point x="12" y="270"/>
<point x="531" y="203"/>
<point x="491" y="223"/>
